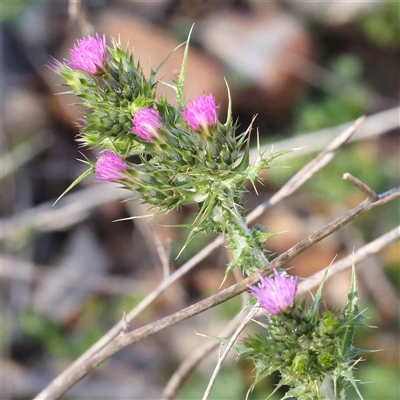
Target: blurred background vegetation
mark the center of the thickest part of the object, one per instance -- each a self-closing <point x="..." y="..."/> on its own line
<point x="69" y="273"/>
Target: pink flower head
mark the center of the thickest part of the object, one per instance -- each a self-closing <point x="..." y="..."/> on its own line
<point x="146" y="123"/>
<point x="89" y="54"/>
<point x="275" y="294"/>
<point x="109" y="167"/>
<point x="201" y="112"/>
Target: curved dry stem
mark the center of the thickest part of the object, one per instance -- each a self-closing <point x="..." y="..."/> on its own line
<point x="61" y="384"/>
<point x="360" y="185"/>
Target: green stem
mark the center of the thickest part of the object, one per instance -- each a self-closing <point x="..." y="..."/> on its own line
<point x="244" y="245"/>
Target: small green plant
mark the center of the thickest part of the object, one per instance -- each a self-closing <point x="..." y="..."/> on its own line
<point x="310" y="346"/>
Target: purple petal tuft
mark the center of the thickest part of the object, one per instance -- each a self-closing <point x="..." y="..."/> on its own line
<point x="146" y="123"/>
<point x="276" y="294"/>
<point x="109" y="167"/>
<point x="201" y="113"/>
<point x="89" y="54"/>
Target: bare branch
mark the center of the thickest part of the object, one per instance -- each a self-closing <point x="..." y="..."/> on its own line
<point x="76" y="12"/>
<point x="320" y="77"/>
<point x="66" y="380"/>
<point x="74" y="8"/>
<point x="148" y="230"/>
<point x="72" y="209"/>
<point x="11" y="268"/>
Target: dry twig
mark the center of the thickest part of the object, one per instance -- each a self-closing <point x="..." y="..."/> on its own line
<point x="361" y="185"/>
<point x="307" y="171"/>
<point x="320" y="77"/>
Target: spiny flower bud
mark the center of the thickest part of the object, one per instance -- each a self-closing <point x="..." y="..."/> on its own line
<point x="201" y="113"/>
<point x="276" y="294"/>
<point x="109" y="167"/>
<point x="146" y="123"/>
<point x="89" y="55"/>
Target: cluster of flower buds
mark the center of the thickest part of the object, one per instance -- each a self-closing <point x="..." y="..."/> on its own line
<point x="186" y="155"/>
<point x="312" y="352"/>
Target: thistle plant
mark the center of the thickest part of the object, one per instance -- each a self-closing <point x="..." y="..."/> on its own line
<point x="173" y="155"/>
<point x="310" y="348"/>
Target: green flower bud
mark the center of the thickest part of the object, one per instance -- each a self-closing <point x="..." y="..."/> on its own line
<point x="117" y="128"/>
<point x="226" y="156"/>
<point x="123" y="119"/>
<point x="110" y="81"/>
<point x="127" y="92"/>
<point x="300" y="363"/>
<point x="112" y="97"/>
<point x="328" y="323"/>
<point x="107" y="123"/>
<point x="327" y="361"/>
<point x="113" y="114"/>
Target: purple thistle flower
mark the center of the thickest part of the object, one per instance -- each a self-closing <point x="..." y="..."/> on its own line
<point x="89" y="54"/>
<point x="146" y="123"/>
<point x="276" y="294"/>
<point x="109" y="167"/>
<point x="201" y="112"/>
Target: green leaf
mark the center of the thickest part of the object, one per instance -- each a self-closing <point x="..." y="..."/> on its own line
<point x="277" y="154"/>
<point x="76" y="181"/>
<point x="350" y="312"/>
<point x="229" y="112"/>
<point x="317" y="298"/>
<point x="229" y="268"/>
<point x="181" y="78"/>
<point x="348" y="374"/>
<point x="154" y="72"/>
<point x="262" y="373"/>
<point x="244" y="163"/>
